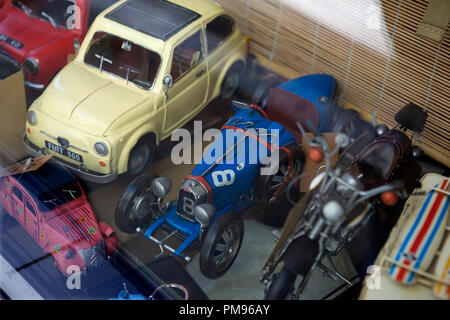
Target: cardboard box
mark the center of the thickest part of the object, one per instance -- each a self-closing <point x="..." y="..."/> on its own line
<point x="12" y="118"/>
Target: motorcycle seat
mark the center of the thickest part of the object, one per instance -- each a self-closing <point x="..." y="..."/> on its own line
<point x="380" y="160"/>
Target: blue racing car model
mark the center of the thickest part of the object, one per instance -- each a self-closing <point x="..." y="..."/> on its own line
<point x="256" y="155"/>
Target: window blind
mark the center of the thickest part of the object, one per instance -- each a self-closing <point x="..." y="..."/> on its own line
<point x="370" y="46"/>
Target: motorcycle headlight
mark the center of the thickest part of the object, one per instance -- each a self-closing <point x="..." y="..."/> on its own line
<point x="32" y="118"/>
<point x="101" y="149"/>
<point x="333" y="210"/>
<point x="31" y="65"/>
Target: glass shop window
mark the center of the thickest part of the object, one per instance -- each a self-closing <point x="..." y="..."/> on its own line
<point x="218" y="30"/>
<point x="123" y="59"/>
<point x="30" y="208"/>
<point x="186" y="56"/>
<point x="17" y="193"/>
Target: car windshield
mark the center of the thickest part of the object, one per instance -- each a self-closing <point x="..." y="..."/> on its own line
<point x="58" y="13"/>
<point x="50" y="200"/>
<point x="124" y="59"/>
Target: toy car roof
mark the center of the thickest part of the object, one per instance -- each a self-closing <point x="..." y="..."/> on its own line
<point x="157" y="18"/>
<point x="45" y="179"/>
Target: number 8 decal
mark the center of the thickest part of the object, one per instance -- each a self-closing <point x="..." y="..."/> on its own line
<point x="188" y="205"/>
<point x="223" y="178"/>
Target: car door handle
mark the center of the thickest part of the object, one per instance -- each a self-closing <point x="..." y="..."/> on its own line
<point x="200" y="73"/>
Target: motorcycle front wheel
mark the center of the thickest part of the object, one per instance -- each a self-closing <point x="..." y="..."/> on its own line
<point x="281" y="285"/>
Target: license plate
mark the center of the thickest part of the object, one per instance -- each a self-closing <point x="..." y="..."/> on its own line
<point x="58" y="149"/>
<point x="14" y="43"/>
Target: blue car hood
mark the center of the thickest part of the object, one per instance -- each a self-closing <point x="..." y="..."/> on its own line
<point x="249" y="138"/>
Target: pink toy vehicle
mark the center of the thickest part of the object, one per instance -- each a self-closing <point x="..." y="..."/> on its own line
<point x="51" y="205"/>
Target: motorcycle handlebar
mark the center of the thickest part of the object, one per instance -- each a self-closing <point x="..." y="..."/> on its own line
<point x="312" y="126"/>
<point x="395" y="185"/>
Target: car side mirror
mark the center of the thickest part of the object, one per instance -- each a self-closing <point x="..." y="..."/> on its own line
<point x="76" y="45"/>
<point x="161" y="186"/>
<point x="204" y="213"/>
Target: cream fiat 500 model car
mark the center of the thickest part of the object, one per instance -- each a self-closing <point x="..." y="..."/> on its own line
<point x="145" y="68"/>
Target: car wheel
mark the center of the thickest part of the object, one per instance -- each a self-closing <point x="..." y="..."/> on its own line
<point x="138" y="205"/>
<point x="230" y="83"/>
<point x="281" y="285"/>
<point x="221" y="245"/>
<point x="140" y="157"/>
<point x="270" y="187"/>
<point x="261" y="94"/>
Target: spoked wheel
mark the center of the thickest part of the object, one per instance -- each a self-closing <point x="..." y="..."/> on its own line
<point x="271" y="186"/>
<point x="281" y="285"/>
<point x="138" y="205"/>
<point x="221" y="245"/>
<point x="280" y="176"/>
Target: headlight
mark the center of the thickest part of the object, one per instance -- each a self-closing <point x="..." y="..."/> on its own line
<point x="70" y="253"/>
<point x="333" y="210"/>
<point x="31" y="65"/>
<point x="101" y="149"/>
<point x="32" y="118"/>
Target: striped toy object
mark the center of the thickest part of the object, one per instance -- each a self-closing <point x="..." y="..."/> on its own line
<point x="423" y="232"/>
<point x="442" y="271"/>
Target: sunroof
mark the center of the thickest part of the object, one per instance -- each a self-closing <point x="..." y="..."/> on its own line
<point x="158" y="18"/>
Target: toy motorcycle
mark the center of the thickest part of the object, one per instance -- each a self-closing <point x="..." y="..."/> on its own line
<point x="341" y="201"/>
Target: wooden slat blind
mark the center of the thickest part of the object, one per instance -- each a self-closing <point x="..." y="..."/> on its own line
<point x="370" y="46"/>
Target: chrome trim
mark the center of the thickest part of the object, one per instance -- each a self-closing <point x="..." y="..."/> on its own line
<point x="198" y="190"/>
<point x="48" y="135"/>
<point x="163" y="245"/>
<point x="94" y="256"/>
<point x="56" y="139"/>
<point x="35" y="86"/>
<point x="79" y="171"/>
<point x="106" y="147"/>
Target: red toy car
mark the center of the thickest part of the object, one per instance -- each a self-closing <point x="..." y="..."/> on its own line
<point x="38" y="35"/>
<point x="51" y="205"/>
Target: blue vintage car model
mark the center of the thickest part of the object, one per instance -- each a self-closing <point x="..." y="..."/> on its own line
<point x="234" y="174"/>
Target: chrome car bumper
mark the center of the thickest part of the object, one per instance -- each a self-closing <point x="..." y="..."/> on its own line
<point x="34" y="86"/>
<point x="80" y="171"/>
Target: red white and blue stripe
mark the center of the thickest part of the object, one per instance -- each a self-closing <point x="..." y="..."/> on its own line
<point x="426" y="226"/>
